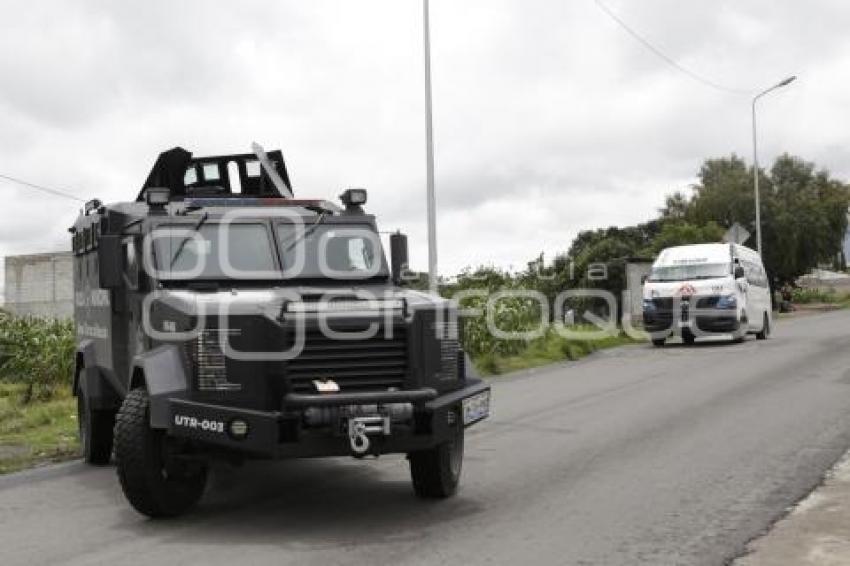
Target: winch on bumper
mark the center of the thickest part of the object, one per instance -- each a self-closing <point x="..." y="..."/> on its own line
<point x="335" y="424"/>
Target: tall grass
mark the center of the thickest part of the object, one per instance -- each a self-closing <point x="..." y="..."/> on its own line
<point x="550" y="348"/>
<point x="37" y="354"/>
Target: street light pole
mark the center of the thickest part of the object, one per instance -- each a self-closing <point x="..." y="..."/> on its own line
<point x="780" y="84"/>
<point x="429" y="151"/>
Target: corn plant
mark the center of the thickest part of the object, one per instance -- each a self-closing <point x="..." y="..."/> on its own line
<point x="36" y="353"/>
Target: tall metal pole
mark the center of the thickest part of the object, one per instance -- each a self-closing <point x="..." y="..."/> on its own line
<point x="780" y="84"/>
<point x="429" y="150"/>
<point x="756" y="179"/>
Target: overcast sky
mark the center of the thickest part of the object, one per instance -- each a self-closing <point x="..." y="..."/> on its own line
<point x="548" y="117"/>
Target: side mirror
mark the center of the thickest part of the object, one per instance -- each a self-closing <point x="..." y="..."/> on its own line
<point x="109" y="259"/>
<point x="739" y="272"/>
<point x="398" y="256"/>
<point x="643" y="279"/>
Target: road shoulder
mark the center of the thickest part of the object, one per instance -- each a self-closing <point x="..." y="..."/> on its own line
<point x="815" y="532"/>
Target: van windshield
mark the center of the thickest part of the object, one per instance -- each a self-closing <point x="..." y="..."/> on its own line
<point x="687" y="272"/>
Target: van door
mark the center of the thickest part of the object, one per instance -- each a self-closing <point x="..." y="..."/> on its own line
<point x="758" y="294"/>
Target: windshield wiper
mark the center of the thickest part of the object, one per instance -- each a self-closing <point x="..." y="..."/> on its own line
<point x="306" y="233"/>
<point x="186" y="239"/>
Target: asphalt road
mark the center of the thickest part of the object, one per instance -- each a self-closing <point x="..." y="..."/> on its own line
<point x="632" y="456"/>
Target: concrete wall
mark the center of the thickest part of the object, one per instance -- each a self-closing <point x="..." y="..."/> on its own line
<point x="40" y="285"/>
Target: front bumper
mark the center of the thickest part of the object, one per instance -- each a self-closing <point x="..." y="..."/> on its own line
<point x="691" y="315"/>
<point x="707" y="321"/>
<point x="286" y="434"/>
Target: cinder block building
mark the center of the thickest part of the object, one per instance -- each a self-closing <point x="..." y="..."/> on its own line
<point x="40" y="285"/>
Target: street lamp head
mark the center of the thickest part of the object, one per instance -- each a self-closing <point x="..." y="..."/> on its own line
<point x="787" y="81"/>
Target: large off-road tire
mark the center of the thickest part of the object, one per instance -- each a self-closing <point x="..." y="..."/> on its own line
<point x="764" y="333"/>
<point x="95" y="430"/>
<point x="436" y="472"/>
<point x="154" y="484"/>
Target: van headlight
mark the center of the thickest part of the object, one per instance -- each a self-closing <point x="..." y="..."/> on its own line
<point x="727" y="302"/>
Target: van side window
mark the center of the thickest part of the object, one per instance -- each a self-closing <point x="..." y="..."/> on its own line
<point x="755" y="273"/>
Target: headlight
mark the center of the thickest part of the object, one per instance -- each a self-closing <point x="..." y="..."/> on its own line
<point x="727" y="302"/>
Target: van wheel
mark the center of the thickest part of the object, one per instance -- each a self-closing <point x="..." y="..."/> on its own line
<point x="688" y="338"/>
<point x="765" y="329"/>
<point x="154" y="484"/>
<point x="95" y="431"/>
<point x="741" y="334"/>
<point x="436" y="472"/>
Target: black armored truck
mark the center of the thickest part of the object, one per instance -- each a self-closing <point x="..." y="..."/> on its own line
<point x="219" y="318"/>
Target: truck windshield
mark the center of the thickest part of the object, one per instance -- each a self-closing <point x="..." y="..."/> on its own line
<point x="247" y="251"/>
<point x="687" y="272"/>
<point x="241" y="251"/>
<point x="330" y="251"/>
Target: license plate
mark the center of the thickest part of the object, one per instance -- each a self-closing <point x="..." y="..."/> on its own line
<point x="476" y="407"/>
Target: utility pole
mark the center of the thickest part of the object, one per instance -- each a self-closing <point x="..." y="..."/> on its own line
<point x="429" y="150"/>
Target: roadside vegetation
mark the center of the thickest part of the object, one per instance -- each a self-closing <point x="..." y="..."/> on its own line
<point x="803" y="296"/>
<point x="532" y="338"/>
<point x="35" y="432"/>
<point x="38" y="419"/>
<point x="548" y="349"/>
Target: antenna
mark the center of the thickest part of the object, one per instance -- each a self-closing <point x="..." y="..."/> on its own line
<point x="270" y="170"/>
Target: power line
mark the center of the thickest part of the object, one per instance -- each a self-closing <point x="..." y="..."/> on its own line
<point x="55" y="192"/>
<point x="664" y="57"/>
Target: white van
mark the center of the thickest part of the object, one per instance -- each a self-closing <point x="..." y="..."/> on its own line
<point x="705" y="290"/>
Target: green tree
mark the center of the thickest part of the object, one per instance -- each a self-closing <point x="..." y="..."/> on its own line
<point x="676" y="207"/>
<point x="682" y="232"/>
<point x="804" y="210"/>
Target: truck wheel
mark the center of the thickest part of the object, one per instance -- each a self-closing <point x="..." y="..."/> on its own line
<point x="765" y="329"/>
<point x="688" y="338"/>
<point x="95" y="429"/>
<point x="658" y="342"/>
<point x="154" y="484"/>
<point x="436" y="472"/>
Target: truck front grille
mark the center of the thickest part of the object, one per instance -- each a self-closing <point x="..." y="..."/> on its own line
<point x="368" y="364"/>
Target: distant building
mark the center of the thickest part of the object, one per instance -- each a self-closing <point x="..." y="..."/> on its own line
<point x="40" y="285"/>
